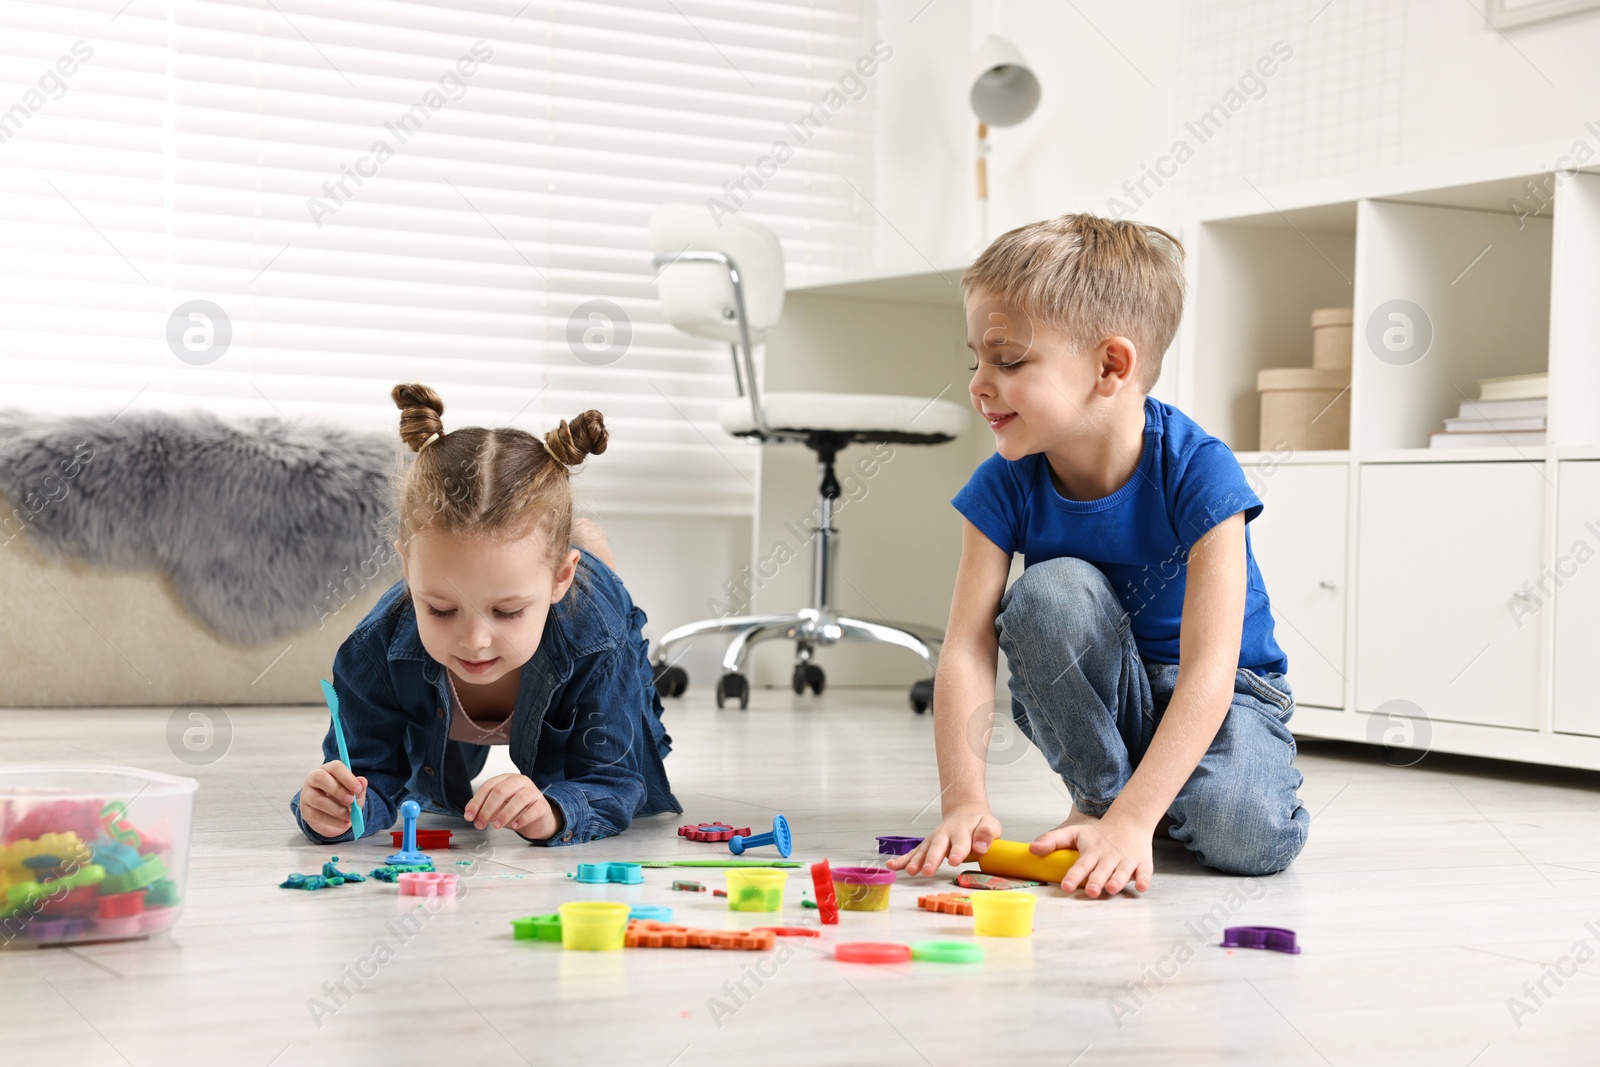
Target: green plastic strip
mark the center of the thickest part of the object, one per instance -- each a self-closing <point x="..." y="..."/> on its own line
<point x="720" y="863"/>
<point x="947" y="951"/>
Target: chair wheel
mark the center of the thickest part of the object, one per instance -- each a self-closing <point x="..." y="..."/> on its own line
<point x="734" y="687"/>
<point x="671" y="681"/>
<point x="922" y="695"/>
<point x="808" y="675"/>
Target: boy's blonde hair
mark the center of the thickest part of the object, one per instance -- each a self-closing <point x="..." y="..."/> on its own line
<point x="1091" y="278"/>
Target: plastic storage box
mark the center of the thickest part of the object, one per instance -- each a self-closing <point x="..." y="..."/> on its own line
<point x="90" y="853"/>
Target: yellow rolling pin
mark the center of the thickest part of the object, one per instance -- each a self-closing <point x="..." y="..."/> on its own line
<point x="1013" y="860"/>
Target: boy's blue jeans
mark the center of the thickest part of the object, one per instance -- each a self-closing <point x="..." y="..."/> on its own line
<point x="1081" y="692"/>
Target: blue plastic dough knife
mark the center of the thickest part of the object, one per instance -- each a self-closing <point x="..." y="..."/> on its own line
<point x="357" y="822"/>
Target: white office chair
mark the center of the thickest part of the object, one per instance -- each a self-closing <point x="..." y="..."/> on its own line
<point x="725" y="282"/>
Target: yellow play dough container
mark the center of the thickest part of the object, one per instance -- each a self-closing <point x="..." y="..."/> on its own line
<point x="862" y="888"/>
<point x="594" y="925"/>
<point x="1002" y="913"/>
<point x="755" y="888"/>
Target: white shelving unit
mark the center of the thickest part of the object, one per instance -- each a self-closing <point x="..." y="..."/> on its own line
<point x="1395" y="570"/>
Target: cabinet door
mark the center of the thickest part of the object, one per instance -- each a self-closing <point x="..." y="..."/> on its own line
<point x="1576" y="600"/>
<point x="1299" y="544"/>
<point x="1441" y="550"/>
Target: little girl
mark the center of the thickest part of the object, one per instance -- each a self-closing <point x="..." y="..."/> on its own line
<point x="501" y="633"/>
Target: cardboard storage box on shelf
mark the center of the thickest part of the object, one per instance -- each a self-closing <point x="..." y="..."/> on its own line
<point x="1304" y="408"/>
<point x="1330" y="338"/>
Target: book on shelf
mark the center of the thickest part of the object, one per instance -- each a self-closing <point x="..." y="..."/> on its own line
<point x="1515" y="387"/>
<point x="1475" y="425"/>
<point x="1504" y="409"/>
<point x="1494" y="439"/>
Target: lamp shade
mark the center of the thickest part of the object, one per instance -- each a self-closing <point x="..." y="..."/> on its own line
<point x="1004" y="89"/>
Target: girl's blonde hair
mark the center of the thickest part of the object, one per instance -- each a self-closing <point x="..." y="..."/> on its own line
<point x="478" y="482"/>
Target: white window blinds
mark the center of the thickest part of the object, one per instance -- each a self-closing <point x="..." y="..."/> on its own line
<point x="374" y="191"/>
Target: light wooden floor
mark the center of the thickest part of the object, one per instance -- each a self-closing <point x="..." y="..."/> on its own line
<point x="1426" y="898"/>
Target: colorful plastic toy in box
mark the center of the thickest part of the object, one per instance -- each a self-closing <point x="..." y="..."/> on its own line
<point x="90" y="853"/>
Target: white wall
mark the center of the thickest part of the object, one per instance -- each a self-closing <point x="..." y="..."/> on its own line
<point x="673" y="565"/>
<point x="1098" y="118"/>
<point x="1368" y="84"/>
<point x="899" y="539"/>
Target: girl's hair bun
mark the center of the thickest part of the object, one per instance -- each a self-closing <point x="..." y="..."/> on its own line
<point x="572" y="442"/>
<point x="420" y="411"/>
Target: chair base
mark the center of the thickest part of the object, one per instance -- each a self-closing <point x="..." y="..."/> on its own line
<point x="809" y="629"/>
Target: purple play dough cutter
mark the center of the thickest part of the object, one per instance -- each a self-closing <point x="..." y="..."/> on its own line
<point x="1275" y="938"/>
<point x="897" y="846"/>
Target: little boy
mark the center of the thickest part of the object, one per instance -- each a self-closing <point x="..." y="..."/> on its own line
<point x="1139" y="636"/>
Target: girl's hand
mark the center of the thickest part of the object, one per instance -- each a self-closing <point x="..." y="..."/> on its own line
<point x="962" y="831"/>
<point x="512" y="801"/>
<point x="326" y="796"/>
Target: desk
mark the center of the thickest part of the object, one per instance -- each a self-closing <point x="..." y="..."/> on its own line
<point x="900" y="539"/>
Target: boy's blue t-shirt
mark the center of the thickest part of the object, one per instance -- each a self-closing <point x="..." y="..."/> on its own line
<point x="1187" y="481"/>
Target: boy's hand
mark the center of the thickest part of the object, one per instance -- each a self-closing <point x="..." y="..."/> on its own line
<point x="326" y="796"/>
<point x="513" y="801"/>
<point x="1111" y="850"/>
<point x="963" y="831"/>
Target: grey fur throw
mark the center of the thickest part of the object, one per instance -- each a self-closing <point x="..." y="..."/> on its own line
<point x="262" y="528"/>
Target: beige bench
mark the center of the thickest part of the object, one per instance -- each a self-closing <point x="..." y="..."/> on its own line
<point x="79" y="636"/>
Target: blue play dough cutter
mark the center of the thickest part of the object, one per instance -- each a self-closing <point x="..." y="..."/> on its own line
<point x="358" y="823"/>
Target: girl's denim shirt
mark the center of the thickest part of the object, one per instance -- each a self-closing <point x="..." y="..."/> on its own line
<point x="587" y="726"/>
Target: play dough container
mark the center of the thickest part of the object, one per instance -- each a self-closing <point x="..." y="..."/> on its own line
<point x="91" y="853"/>
<point x="1002" y="913"/>
<point x="862" y="888"/>
<point x="755" y="889"/>
<point x="593" y="925"/>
